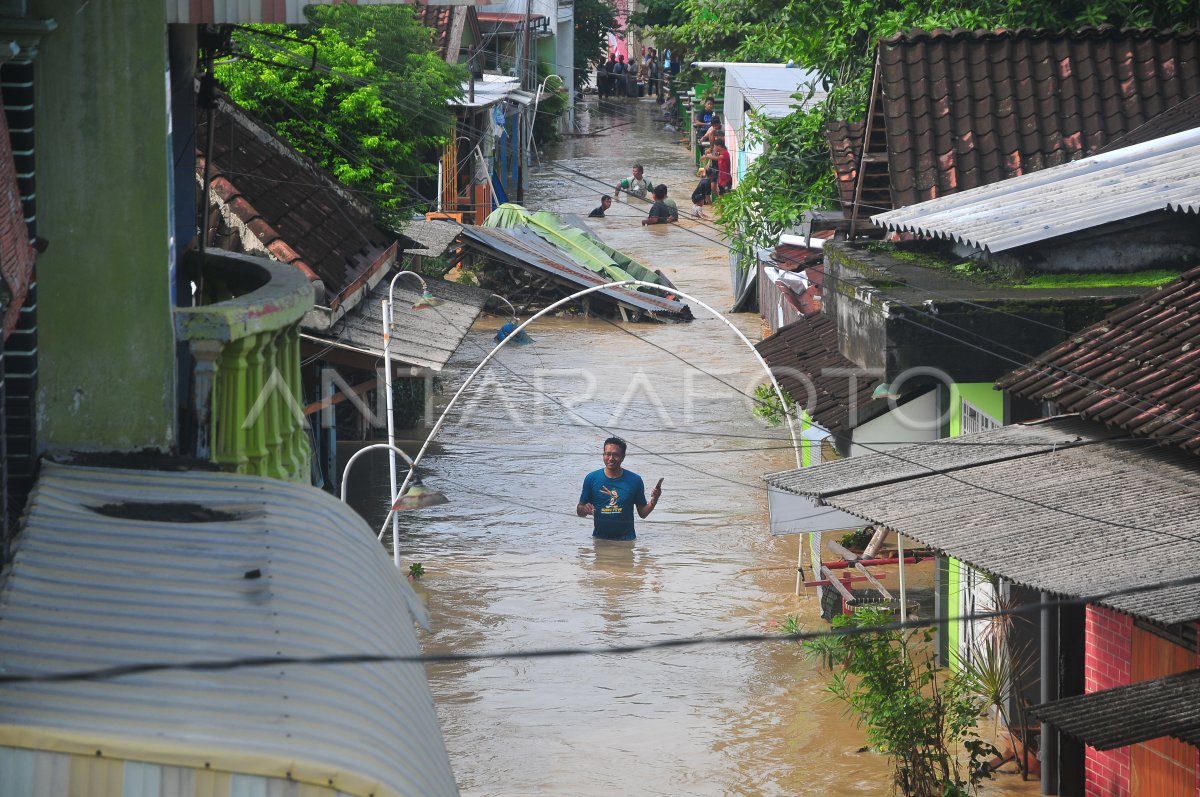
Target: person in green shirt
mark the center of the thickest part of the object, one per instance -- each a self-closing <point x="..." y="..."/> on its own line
<point x="635" y="185"/>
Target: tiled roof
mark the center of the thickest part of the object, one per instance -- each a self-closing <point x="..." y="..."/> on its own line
<point x="438" y="19"/>
<point x="1125" y="715"/>
<point x="968" y="108"/>
<point x="1136" y="370"/>
<point x="1184" y="116"/>
<point x="845" y="147"/>
<point x="805" y="359"/>
<point x="16" y="253"/>
<point x="277" y="201"/>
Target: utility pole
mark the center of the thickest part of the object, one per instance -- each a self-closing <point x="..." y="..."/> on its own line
<point x="527" y="80"/>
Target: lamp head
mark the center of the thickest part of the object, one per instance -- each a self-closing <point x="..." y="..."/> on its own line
<point x="427" y="300"/>
<point x="884" y="391"/>
<point x="418" y="496"/>
<point x="521" y="339"/>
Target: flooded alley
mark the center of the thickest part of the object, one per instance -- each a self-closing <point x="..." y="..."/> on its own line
<point x="509" y="567"/>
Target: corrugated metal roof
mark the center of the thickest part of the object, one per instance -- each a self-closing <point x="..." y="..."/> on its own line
<point x="1023" y="502"/>
<point x="1136" y="370"/>
<point x="426" y="338"/>
<point x="1125" y="715"/>
<point x="1163" y="174"/>
<point x="489" y="90"/>
<point x="89" y="589"/>
<point x="525" y="248"/>
<point x="768" y="88"/>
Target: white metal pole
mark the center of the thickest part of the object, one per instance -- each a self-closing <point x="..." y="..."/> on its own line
<point x="512" y="335"/>
<point x="391" y="419"/>
<point x="903" y="592"/>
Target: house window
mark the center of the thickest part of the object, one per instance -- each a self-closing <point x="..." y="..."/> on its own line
<point x="976" y="420"/>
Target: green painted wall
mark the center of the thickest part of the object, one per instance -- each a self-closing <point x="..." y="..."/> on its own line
<point x="990" y="401"/>
<point x="980" y="394"/>
<point x="953" y="584"/>
<point x="547" y="54"/>
<point x="106" y="344"/>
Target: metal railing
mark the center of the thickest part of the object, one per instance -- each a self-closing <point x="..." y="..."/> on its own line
<point x="246" y="408"/>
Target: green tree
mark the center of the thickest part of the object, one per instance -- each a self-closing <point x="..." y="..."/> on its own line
<point x="594" y="20"/>
<point x="373" y="111"/>
<point x="923" y="719"/>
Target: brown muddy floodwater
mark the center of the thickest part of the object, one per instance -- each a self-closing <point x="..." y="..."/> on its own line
<point x="510" y="568"/>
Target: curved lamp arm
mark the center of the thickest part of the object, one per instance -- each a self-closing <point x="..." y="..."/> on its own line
<point x="513" y="335"/>
<point x="372" y="447"/>
<point x="512" y="309"/>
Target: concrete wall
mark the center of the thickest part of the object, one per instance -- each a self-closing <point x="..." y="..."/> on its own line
<point x="107" y="347"/>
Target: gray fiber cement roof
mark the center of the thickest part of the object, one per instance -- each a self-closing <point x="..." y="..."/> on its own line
<point x="1061" y="506"/>
<point x="425" y="338"/>
<point x="1125" y="715"/>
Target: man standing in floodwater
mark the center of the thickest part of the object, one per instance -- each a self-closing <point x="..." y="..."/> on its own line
<point x="611" y="494"/>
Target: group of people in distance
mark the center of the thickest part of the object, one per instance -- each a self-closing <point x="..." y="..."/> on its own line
<point x="618" y="78"/>
<point x="716" y="170"/>
<point x="716" y="176"/>
<point x="662" y="211"/>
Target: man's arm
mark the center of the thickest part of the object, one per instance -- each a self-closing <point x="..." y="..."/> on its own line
<point x="645" y="509"/>
<point x="583" y="510"/>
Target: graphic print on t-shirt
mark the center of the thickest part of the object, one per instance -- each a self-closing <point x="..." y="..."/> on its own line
<point x="613" y="498"/>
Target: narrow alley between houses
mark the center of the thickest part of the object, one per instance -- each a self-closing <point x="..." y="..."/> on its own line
<point x="510" y="567"/>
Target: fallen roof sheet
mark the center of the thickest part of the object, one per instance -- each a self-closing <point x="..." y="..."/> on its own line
<point x="524" y="248"/>
<point x="1125" y="715"/>
<point x="1136" y="370"/>
<point x="138" y="567"/>
<point x="1017" y="501"/>
<point x="1158" y="175"/>
<point x="425" y="338"/>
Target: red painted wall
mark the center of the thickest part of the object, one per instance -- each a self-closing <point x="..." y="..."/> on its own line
<point x="1106" y="664"/>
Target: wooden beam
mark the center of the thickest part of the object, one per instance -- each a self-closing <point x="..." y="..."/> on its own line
<point x="357" y="390"/>
<point x="841" y="550"/>
<point x="837" y="585"/>
<point x="874" y="581"/>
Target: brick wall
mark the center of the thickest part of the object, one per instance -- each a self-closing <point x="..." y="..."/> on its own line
<point x="1106" y="664"/>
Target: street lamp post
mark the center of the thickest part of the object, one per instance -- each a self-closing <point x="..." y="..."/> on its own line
<point x="516" y="332"/>
<point x="427" y="300"/>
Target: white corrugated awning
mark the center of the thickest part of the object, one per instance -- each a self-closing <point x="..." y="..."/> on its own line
<point x="1057" y="505"/>
<point x="125" y="567"/>
<point x="1158" y="175"/>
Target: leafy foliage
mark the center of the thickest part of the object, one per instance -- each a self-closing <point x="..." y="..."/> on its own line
<point x="767" y="406"/>
<point x="594" y="20"/>
<point x="374" y="110"/>
<point x="922" y="719"/>
<point x="836" y="38"/>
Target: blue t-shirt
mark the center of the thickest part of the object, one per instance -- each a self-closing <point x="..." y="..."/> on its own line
<point x="614" y="500"/>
